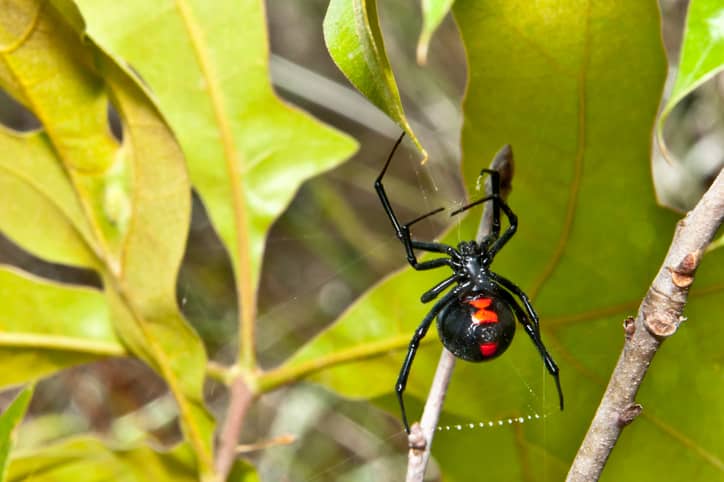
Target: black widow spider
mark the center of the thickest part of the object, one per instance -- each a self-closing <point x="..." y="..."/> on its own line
<point x="476" y="319"/>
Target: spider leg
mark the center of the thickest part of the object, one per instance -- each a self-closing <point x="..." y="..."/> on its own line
<point x="433" y="292"/>
<point x="529" y="319"/>
<point x="512" y="228"/>
<point x="512" y="287"/>
<point x="434" y="263"/>
<point x="495" y="194"/>
<point x="476" y="203"/>
<point x="436" y="248"/>
<point x="426" y="215"/>
<point x="420" y="333"/>
<point x="411" y="244"/>
<point x="402" y="231"/>
<point x="495" y="230"/>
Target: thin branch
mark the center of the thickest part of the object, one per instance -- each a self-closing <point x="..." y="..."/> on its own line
<point x="421" y="434"/>
<point x="279" y="440"/>
<point x="240" y="398"/>
<point x="61" y="343"/>
<point x="658" y="318"/>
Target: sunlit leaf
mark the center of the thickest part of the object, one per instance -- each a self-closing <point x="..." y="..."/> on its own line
<point x="574" y="87"/>
<point x="124" y="206"/>
<point x="354" y="40"/>
<point x="247" y="152"/>
<point x="702" y="52"/>
<point x="9" y="420"/>
<point x="143" y="298"/>
<point x="36" y="64"/>
<point x="89" y="460"/>
<point x="45" y="327"/>
<point x="38" y="199"/>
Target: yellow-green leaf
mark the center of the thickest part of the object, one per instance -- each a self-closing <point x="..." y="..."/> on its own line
<point x="354" y="40"/>
<point x="134" y="196"/>
<point x="247" y="152"/>
<point x="38" y="199"/>
<point x="46" y="326"/>
<point x="90" y="460"/>
<point x="143" y="297"/>
<point x="9" y="421"/>
<point x="38" y="59"/>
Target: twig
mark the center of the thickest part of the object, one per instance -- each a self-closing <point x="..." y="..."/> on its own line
<point x="421" y="434"/>
<point x="279" y="440"/>
<point x="658" y="318"/>
<point x="240" y="398"/>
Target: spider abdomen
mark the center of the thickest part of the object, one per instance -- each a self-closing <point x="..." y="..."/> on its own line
<point x="477" y="327"/>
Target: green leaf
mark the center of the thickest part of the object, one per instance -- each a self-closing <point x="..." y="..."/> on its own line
<point x="36" y="64"/>
<point x="433" y="13"/>
<point x="247" y="152"/>
<point x="134" y="196"/>
<point x="702" y="53"/>
<point x="88" y="459"/>
<point x="32" y="181"/>
<point x="354" y="40"/>
<point x="143" y="297"/>
<point x="46" y="326"/>
<point x="9" y="421"/>
<point x="574" y="88"/>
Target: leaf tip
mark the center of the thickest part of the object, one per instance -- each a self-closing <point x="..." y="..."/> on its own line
<point x="423" y="45"/>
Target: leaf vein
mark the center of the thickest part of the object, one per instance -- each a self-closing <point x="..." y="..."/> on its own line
<point x="235" y="167"/>
<point x="577" y="166"/>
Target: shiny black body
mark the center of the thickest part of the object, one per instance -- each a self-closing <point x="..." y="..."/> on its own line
<point x="475" y="317"/>
<point x="463" y="337"/>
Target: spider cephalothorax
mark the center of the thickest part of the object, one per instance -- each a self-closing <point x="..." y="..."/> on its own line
<point x="469" y="248"/>
<point x="476" y="318"/>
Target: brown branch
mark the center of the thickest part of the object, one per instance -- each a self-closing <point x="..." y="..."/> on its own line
<point x="240" y="398"/>
<point x="658" y="318"/>
<point x="421" y="434"/>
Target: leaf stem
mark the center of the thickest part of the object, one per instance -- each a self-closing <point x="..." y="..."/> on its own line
<point x="164" y="366"/>
<point x="219" y="372"/>
<point x="288" y="374"/>
<point x="63" y="343"/>
<point x="658" y="318"/>
<point x="235" y="166"/>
